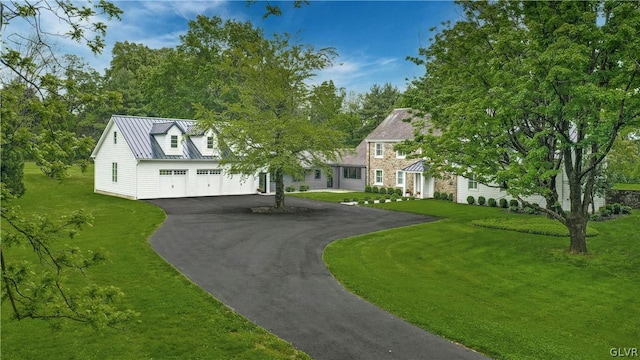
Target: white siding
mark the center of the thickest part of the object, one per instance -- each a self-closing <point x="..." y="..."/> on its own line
<point x="494" y="192"/>
<point x="149" y="179"/>
<point x="119" y="153"/>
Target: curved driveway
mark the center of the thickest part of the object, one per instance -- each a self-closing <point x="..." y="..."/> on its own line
<point x="269" y="268"/>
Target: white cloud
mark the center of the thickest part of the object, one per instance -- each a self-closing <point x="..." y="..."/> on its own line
<point x="359" y="73"/>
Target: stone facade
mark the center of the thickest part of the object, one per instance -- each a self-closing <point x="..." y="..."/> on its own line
<point x="447" y="184"/>
<point x="625" y="197"/>
<point x="389" y="163"/>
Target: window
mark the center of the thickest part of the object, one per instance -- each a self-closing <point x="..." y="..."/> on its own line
<point x="352" y="173"/>
<point x="400" y="155"/>
<point x="378" y="177"/>
<point x="114" y="172"/>
<point x="379" y="150"/>
<point x="318" y="175"/>
<point x="473" y="183"/>
<point x="179" y="172"/>
<point x="115" y="137"/>
<point x="399" y="178"/>
<point x="165" y="172"/>
<point x="174" y="141"/>
<point x="208" y="171"/>
<point x="210" y="142"/>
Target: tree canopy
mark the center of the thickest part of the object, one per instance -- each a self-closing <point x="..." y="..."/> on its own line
<point x="524" y="91"/>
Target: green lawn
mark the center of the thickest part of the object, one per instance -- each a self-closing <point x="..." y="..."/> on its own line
<point x="507" y="294"/>
<point x="178" y="320"/>
<point x="331" y="196"/>
<point x="626" y="187"/>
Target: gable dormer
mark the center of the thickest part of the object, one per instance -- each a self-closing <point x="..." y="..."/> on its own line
<point x="169" y="136"/>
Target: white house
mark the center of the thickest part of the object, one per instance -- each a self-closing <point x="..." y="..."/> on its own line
<point x="148" y="158"/>
<point x="471" y="187"/>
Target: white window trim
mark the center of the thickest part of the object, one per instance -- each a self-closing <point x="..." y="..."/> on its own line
<point x="375" y="150"/>
<point x="470" y="181"/>
<point x="375" y="177"/>
<point x="114" y="172"/>
<point x="400" y="155"/>
<point x="398" y="178"/>
<point x="171" y="141"/>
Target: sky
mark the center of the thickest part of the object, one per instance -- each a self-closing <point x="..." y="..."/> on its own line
<point x="372" y="38"/>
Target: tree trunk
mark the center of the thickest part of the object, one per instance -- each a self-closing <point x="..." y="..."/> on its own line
<point x="577" y="225"/>
<point x="279" y="189"/>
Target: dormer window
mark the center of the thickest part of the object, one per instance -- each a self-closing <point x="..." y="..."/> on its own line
<point x="174" y="141"/>
<point x="209" y="142"/>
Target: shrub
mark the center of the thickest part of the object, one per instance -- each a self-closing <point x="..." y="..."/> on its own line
<point x="361" y="202"/>
<point x="503" y="203"/>
<point x="399" y="192"/>
<point x="617" y="208"/>
<point x="290" y="188"/>
<point x="481" y="200"/>
<point x="346" y="200"/>
<point x="492" y="202"/>
<point x="355" y="199"/>
<point x="366" y="198"/>
<point x="375" y="190"/>
<point x="368" y="189"/>
<point x="529" y="210"/>
<point x="514" y="203"/>
<point x="387" y="197"/>
<point x="513" y="208"/>
<point x="471" y="200"/>
<point x="436" y="195"/>
<point x="625" y="209"/>
<point x="450" y="197"/>
<point x="383" y="190"/>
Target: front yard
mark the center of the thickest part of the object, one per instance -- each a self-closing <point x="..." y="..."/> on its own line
<point x="507" y="294"/>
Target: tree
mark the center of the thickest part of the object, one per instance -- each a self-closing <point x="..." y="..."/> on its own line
<point x="377" y="104"/>
<point x="37" y="115"/>
<point x="525" y="90"/>
<point x="261" y="115"/>
<point x="623" y="163"/>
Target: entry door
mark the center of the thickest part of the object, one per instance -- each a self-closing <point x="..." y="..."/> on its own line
<point x="173" y="183"/>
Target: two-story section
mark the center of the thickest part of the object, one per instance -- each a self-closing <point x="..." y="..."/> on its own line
<point x="389" y="168"/>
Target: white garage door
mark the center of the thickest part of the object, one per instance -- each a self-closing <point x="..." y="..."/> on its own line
<point x="209" y="182"/>
<point x="173" y="183"/>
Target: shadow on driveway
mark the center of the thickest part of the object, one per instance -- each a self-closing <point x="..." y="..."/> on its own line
<point x="269" y="268"/>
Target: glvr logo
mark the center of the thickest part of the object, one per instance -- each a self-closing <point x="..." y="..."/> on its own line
<point x="624" y="352"/>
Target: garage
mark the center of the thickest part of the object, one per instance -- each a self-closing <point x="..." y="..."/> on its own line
<point x="209" y="182"/>
<point x="173" y="183"/>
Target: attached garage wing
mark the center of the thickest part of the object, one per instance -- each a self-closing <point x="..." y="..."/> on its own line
<point x="173" y="183"/>
<point x="209" y="182"/>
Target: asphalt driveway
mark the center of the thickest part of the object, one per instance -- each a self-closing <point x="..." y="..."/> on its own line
<point x="269" y="268"/>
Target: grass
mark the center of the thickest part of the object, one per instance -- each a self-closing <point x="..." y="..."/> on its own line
<point x="626" y="187"/>
<point x="331" y="196"/>
<point x="178" y="320"/>
<point x="506" y="294"/>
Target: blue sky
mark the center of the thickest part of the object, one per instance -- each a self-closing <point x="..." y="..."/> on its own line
<point x="372" y="38"/>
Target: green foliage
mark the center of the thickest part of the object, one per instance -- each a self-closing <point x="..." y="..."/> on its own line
<point x="368" y="189"/>
<point x="492" y="202"/>
<point x="260" y="111"/>
<point x="481" y="200"/>
<point x="436" y="195"/>
<point x="514" y="203"/>
<point x="375" y="190"/>
<point x="471" y="200"/>
<point x="541" y="71"/>
<point x="304" y="187"/>
<point x="382" y="190"/>
<point x="504" y="203"/>
<point x="290" y="188"/>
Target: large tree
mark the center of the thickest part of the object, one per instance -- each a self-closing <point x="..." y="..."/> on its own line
<point x="262" y="112"/>
<point x="524" y="91"/>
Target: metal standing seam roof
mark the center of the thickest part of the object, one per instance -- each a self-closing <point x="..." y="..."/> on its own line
<point x="138" y="133"/>
<point x="418" y="166"/>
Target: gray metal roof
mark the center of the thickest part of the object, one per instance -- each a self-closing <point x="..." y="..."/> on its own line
<point x="418" y="166"/>
<point x="138" y="133"/>
<point x="396" y="127"/>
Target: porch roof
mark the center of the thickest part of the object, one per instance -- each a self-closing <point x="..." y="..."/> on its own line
<point x="417" y="167"/>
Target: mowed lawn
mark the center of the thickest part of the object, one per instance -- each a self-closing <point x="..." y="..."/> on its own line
<point x="178" y="320"/>
<point x="506" y="294"/>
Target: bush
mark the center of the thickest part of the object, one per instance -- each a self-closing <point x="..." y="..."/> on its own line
<point x="346" y="200"/>
<point x="391" y="190"/>
<point x="481" y="200"/>
<point x="304" y="187"/>
<point x="366" y="198"/>
<point x="617" y="208"/>
<point x="355" y="199"/>
<point x="513" y="208"/>
<point x="387" y="197"/>
<point x="471" y="200"/>
<point x="514" y="203"/>
<point x="492" y="202"/>
<point x="399" y="192"/>
<point x="436" y="195"/>
<point x="450" y="197"/>
<point x="290" y="188"/>
<point x="625" y="209"/>
<point x="503" y="203"/>
<point x="529" y="210"/>
<point x="361" y="202"/>
<point x="375" y="190"/>
<point x="368" y="189"/>
<point x="383" y="190"/>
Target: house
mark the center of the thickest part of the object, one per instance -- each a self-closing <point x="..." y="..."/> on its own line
<point x="147" y="158"/>
<point x="347" y="173"/>
<point x="389" y="168"/>
<point x="392" y="169"/>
